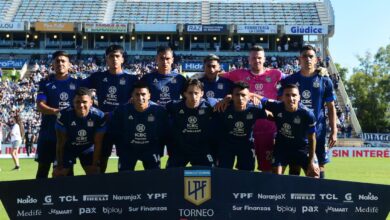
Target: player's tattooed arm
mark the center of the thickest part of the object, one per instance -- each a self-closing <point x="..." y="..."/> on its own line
<point x="45" y="109"/>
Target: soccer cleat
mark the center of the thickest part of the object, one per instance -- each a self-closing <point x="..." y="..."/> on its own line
<point x="16" y="168"/>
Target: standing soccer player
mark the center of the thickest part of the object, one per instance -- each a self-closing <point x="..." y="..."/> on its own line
<point x="295" y="140"/>
<point x="236" y="126"/>
<point x="140" y="129"/>
<point x="80" y="131"/>
<point x="316" y="92"/>
<point x="165" y="85"/>
<point x="54" y="93"/>
<point x="214" y="86"/>
<point x="113" y="88"/>
<point x="192" y="128"/>
<point x="262" y="82"/>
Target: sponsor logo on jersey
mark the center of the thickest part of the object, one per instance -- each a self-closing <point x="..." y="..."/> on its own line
<point x="306" y="94"/>
<point x="230" y="117"/>
<point x="155" y="81"/>
<point x="53" y="87"/>
<point x="82" y="133"/>
<point x="181" y="111"/>
<point x="210" y="94"/>
<point x="130" y="117"/>
<point x="64" y="96"/>
<point x="112" y="90"/>
<point x="192" y="119"/>
<point x="259" y="86"/>
<point x="197" y="186"/>
<point x="73" y="123"/>
<point x="105" y="79"/>
<point x="140" y="128"/>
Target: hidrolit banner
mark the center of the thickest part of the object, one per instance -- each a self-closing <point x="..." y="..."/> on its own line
<point x="306" y="29"/>
<point x="105" y="28"/>
<point x="54" y="26"/>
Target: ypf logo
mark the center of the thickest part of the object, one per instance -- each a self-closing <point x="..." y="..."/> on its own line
<point x="239" y="124"/>
<point x="140" y="128"/>
<point x="306" y="94"/>
<point x="197" y="186"/>
<point x="64" y="96"/>
<point x="112" y="90"/>
<point x="165" y="89"/>
<point x="192" y="119"/>
<point x="82" y="133"/>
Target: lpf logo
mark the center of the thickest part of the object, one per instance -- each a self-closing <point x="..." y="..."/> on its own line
<point x="112" y="90"/>
<point x="306" y="94"/>
<point x="140" y="128"/>
<point x="82" y="133"/>
<point x="64" y="96"/>
<point x="197" y="186"/>
<point x="192" y="119"/>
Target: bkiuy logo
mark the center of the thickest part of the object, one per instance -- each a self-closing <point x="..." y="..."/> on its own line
<point x="28" y="200"/>
<point x="197" y="186"/>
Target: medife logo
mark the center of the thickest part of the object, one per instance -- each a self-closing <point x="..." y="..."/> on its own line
<point x="197" y="186"/>
<point x="95" y="198"/>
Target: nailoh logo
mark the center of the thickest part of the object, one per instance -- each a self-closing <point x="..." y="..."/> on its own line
<point x="197" y="186"/>
<point x="95" y="198"/>
<point x="302" y="196"/>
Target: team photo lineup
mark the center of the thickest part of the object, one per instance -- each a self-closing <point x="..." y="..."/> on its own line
<point x="224" y="119"/>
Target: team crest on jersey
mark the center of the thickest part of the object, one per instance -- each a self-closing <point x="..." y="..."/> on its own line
<point x="150" y="118"/>
<point x="268" y="79"/>
<point x="122" y="81"/>
<point x="316" y="83"/>
<point x="249" y="116"/>
<point x="297" y="84"/>
<point x="105" y="79"/>
<point x="90" y="123"/>
<point x="53" y="87"/>
<point x="201" y="111"/>
<point x="72" y="86"/>
<point x="297" y="120"/>
<point x="280" y="115"/>
<point x="155" y="81"/>
<point x="174" y="81"/>
<point x="73" y="123"/>
<point x="230" y="116"/>
<point x="130" y="117"/>
<point x="181" y="111"/>
<point x="220" y="86"/>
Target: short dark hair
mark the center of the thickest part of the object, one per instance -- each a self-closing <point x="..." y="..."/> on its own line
<point x="306" y="48"/>
<point x="193" y="82"/>
<point x="140" y="85"/>
<point x="82" y="91"/>
<point x="256" y="48"/>
<point x="240" y="85"/>
<point x="290" y="86"/>
<point x="211" y="57"/>
<point x="60" y="53"/>
<point x="114" y="48"/>
<point x="164" y="49"/>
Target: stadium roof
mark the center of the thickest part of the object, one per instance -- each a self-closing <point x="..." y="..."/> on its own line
<point x="280" y="12"/>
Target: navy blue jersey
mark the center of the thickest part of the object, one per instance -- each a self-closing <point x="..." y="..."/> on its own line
<point x="139" y="130"/>
<point x="314" y="91"/>
<point x="236" y="127"/>
<point x="217" y="89"/>
<point x="292" y="127"/>
<point x="57" y="94"/>
<point x="164" y="87"/>
<point x="192" y="129"/>
<point x="112" y="90"/>
<point x="80" y="131"/>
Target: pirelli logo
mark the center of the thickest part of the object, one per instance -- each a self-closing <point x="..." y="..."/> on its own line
<point x="197" y="186"/>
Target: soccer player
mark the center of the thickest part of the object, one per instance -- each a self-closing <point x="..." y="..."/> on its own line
<point x="54" y="93"/>
<point x="80" y="131"/>
<point x="262" y="82"/>
<point x="192" y="128"/>
<point x="236" y="126"/>
<point x="113" y="88"/>
<point x="316" y="92"/>
<point x="214" y="86"/>
<point x="140" y="128"/>
<point x="165" y="85"/>
<point x="29" y="138"/>
<point x="295" y="141"/>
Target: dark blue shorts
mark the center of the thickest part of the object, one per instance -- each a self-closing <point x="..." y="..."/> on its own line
<point x="85" y="156"/>
<point x="181" y="160"/>
<point x="46" y="150"/>
<point x="150" y="159"/>
<point x="245" y="157"/>
<point x="284" y="157"/>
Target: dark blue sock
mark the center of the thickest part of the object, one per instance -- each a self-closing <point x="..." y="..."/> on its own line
<point x="322" y="174"/>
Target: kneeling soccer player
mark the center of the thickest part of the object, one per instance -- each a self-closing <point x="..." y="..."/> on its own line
<point x="295" y="139"/>
<point x="80" y="131"/>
